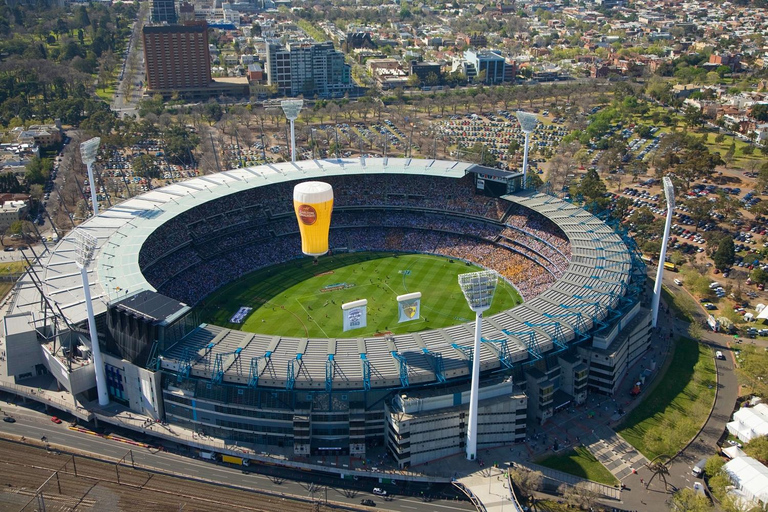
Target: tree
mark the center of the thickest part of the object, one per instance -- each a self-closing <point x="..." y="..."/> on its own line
<point x="38" y="170"/>
<point x="580" y="495"/>
<point x="761" y="183"/>
<point x="591" y="186"/>
<point x="760" y="112"/>
<point x="688" y="500"/>
<point x="693" y="116"/>
<point x="699" y="209"/>
<point x="9" y="184"/>
<point x="757" y="448"/>
<point x="145" y="166"/>
<point x="528" y="482"/>
<point x="759" y="275"/>
<point x="725" y="254"/>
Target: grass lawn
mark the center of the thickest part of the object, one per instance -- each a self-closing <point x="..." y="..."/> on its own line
<point x="304" y="300"/>
<point x="12" y="267"/>
<point x="578" y="461"/>
<point x="676" y="408"/>
<point x="740" y="159"/>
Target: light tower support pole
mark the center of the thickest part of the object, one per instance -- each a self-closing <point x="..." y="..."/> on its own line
<point x="88" y="150"/>
<point x="528" y="124"/>
<point x="525" y="160"/>
<point x="84" y="247"/>
<point x="291" y="110"/>
<point x="669" y="193"/>
<point x="478" y="289"/>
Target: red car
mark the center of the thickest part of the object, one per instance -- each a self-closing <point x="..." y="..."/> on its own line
<point x="55" y="420"/>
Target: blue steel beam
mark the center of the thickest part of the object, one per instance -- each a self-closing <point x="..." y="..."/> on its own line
<point x="467" y="351"/>
<point x="253" y="374"/>
<point x="504" y="357"/>
<point x="366" y="372"/>
<point x="330" y="369"/>
<point x="559" y="338"/>
<point x="529" y="338"/>
<point x="218" y="366"/>
<point x="402" y="363"/>
<point x="437" y="363"/>
<point x="185" y="366"/>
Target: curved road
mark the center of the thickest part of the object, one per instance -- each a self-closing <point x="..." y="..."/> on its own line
<point x="704" y="444"/>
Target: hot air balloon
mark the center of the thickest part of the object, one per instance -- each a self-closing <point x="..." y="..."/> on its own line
<point x="313" y="203"/>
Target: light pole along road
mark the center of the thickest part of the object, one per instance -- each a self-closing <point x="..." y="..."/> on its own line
<point x="35" y="425"/>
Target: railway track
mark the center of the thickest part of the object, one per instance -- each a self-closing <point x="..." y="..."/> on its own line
<point x="87" y="484"/>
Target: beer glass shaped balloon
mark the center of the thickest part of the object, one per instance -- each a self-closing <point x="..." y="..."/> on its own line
<point x="313" y="203"/>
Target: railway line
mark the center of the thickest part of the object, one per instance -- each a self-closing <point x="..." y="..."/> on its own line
<point x="78" y="483"/>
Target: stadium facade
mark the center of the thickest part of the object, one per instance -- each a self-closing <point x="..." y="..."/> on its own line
<point x="159" y="254"/>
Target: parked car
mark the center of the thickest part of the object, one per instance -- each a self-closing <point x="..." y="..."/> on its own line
<point x="719" y="355"/>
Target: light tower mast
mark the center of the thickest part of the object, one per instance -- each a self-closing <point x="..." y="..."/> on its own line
<point x="291" y="110"/>
<point x="478" y="288"/>
<point x="669" y="193"/>
<point x="528" y="123"/>
<point x="88" y="150"/>
<point x="84" y="247"/>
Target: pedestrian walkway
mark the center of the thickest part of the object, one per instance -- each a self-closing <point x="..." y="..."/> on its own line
<point x="492" y="489"/>
<point x="560" y="477"/>
<point x="613" y="452"/>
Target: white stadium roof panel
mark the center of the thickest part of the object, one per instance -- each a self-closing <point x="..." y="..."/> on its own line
<point x="600" y="260"/>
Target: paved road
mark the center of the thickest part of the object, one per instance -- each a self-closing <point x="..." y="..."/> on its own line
<point x="121" y="103"/>
<point x="33" y="424"/>
<point x="704" y="445"/>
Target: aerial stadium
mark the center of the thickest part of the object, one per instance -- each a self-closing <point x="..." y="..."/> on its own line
<point x="174" y="277"/>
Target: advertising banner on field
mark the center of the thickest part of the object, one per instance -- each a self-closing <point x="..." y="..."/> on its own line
<point x="355" y="314"/>
<point x="408" y="307"/>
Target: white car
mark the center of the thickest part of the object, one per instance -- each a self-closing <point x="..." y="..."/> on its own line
<point x="719" y="355"/>
<point x="379" y="491"/>
<point x="678" y="282"/>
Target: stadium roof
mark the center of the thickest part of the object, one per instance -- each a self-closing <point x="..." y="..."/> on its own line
<point x="121" y="230"/>
<point x="153" y="306"/>
<point x="590" y="289"/>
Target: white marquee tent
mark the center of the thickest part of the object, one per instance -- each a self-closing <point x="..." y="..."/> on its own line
<point x="750" y="478"/>
<point x="749" y="422"/>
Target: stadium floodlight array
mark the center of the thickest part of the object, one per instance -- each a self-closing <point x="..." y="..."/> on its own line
<point x="85" y="244"/>
<point x="88" y="150"/>
<point x="669" y="194"/>
<point x="291" y="109"/>
<point x="478" y="289"/>
<point x="528" y="123"/>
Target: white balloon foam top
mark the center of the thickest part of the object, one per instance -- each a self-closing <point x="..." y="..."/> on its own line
<point x="312" y="192"/>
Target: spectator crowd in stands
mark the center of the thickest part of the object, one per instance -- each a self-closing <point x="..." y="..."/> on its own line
<point x="204" y="248"/>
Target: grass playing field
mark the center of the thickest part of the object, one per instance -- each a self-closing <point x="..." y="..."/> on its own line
<point x="289" y="300"/>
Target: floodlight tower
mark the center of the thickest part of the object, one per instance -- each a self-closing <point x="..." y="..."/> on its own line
<point x="291" y="110"/>
<point x="528" y="123"/>
<point x="478" y="288"/>
<point x="88" y="150"/>
<point x="669" y="193"/>
<point x="84" y="246"/>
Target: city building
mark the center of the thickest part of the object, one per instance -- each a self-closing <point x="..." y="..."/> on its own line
<point x="10" y="212"/>
<point x="428" y="426"/>
<point x="488" y="62"/>
<point x="43" y="135"/>
<point x="427" y="72"/>
<point x="176" y="58"/>
<point x="163" y="11"/>
<point x="308" y="69"/>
